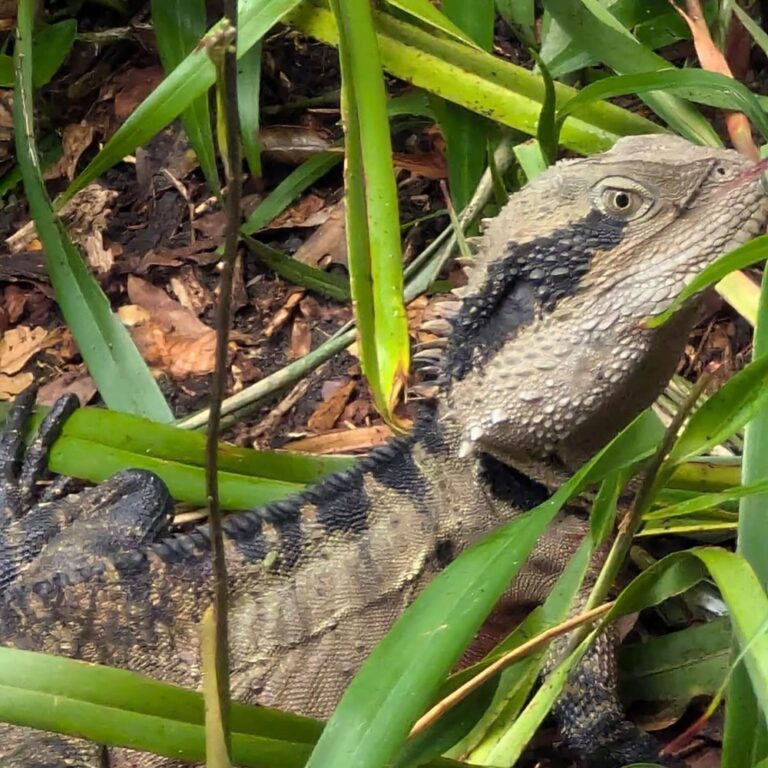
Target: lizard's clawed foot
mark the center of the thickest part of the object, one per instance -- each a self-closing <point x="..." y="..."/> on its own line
<point x="42" y="527"/>
<point x="22" y="470"/>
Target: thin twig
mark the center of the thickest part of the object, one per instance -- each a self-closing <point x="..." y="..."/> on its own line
<point x="461" y="693"/>
<point x="223" y="52"/>
<point x="649" y="486"/>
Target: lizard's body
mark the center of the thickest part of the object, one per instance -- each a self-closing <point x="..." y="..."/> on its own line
<point x="547" y="361"/>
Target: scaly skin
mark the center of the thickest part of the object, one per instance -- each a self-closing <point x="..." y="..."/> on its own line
<point x="548" y="360"/>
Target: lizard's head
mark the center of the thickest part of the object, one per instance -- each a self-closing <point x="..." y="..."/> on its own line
<point x="549" y="357"/>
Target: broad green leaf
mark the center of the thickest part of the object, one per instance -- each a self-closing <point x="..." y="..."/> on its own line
<point x="179" y="25"/>
<point x="547" y="131"/>
<point x="114" y="706"/>
<point x="401" y="676"/>
<point x="594" y="29"/>
<point x="748" y="605"/>
<point x="488" y="739"/>
<point x="50" y="47"/>
<point x="745" y="737"/>
<point x="605" y="506"/>
<point x="248" y="89"/>
<point x="372" y="221"/>
<point x="676" y="579"/>
<point x="653" y="22"/>
<point x="95" y="443"/>
<point x="190" y="79"/>
<point x="708" y="501"/>
<point x="678" y="666"/>
<point x="531" y="158"/>
<point x="521" y="16"/>
<point x="724" y="412"/>
<point x="709" y="88"/>
<point x="118" y="707"/>
<point x="478" y="81"/>
<point x="118" y="369"/>
<point x="753" y="525"/>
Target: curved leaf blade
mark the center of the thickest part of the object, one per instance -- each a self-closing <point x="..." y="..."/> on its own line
<point x="121" y="374"/>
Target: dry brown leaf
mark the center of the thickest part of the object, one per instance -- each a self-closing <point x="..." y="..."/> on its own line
<point x="342" y="441"/>
<point x="178" y="355"/>
<point x="328" y="412"/>
<point x="167" y="313"/>
<point x="712" y="60"/>
<point x="168" y="335"/>
<point x="75" y="139"/>
<point x="19" y="345"/>
<point x="72" y="382"/>
<point x="133" y="86"/>
<point x="190" y="292"/>
<point x="10" y="386"/>
<point x="292" y="144"/>
<point x="14" y="301"/>
<point x="430" y="165"/>
<point x="328" y="243"/>
<point x="301" y="338"/>
<point x="310" y="211"/>
<point x="192" y="356"/>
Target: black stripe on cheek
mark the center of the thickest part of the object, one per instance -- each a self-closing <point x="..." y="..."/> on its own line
<point x="530" y="277"/>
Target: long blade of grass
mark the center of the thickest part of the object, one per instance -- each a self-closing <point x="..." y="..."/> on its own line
<point x="288" y="189"/>
<point x="466" y="134"/>
<point x="594" y="29"/>
<point x="373" y="226"/>
<point x="118" y="369"/>
<point x="478" y="81"/>
<point x="179" y="25"/>
<point x="248" y="89"/>
<point x="744" y="738"/>
<point x="333" y="286"/>
<point x="724" y="412"/>
<point x="711" y="88"/>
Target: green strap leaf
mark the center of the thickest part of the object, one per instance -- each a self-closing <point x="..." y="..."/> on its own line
<point x="118" y="369"/>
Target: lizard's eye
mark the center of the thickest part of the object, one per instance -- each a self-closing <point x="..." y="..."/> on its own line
<point x="625" y="202"/>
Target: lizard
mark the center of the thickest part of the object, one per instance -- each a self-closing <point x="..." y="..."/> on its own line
<point x="547" y="360"/>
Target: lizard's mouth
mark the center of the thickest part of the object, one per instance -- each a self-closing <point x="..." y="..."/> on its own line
<point x="758" y="169"/>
